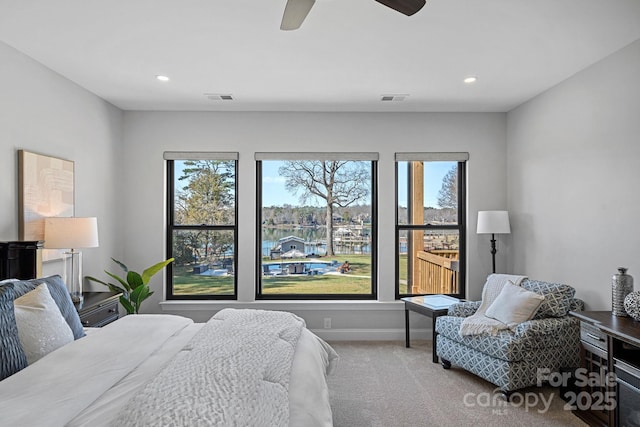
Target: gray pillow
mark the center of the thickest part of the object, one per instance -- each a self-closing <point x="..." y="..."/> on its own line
<point x="12" y="357"/>
<point x="60" y="294"/>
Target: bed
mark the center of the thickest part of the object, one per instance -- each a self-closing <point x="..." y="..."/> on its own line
<point x="240" y="368"/>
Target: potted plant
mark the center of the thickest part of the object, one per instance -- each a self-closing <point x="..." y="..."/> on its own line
<point x="135" y="286"/>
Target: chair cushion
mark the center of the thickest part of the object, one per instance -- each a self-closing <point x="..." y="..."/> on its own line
<point x="557" y="297"/>
<point x="60" y="295"/>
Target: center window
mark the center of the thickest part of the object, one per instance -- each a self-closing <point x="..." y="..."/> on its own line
<point x="317" y="225"/>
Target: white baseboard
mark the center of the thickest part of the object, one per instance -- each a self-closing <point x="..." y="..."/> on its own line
<point x="371" y="334"/>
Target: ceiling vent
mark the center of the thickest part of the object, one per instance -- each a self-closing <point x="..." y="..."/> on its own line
<point x="397" y="97"/>
<point x="219" y="97"/>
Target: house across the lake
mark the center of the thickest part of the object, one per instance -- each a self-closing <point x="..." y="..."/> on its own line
<point x="286" y="244"/>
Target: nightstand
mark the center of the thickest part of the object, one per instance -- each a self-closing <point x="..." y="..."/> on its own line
<point x="99" y="309"/>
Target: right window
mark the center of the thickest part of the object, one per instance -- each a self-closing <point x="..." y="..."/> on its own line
<point x="430" y="223"/>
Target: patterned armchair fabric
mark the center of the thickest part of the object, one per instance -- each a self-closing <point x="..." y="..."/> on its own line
<point x="511" y="359"/>
<point x="463" y="309"/>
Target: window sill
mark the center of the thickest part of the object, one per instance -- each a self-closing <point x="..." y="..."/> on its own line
<point x="309" y="305"/>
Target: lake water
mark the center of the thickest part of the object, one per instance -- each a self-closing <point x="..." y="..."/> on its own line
<point x="315" y="241"/>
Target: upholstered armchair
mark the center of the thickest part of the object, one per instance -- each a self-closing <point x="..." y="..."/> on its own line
<point x="510" y="359"/>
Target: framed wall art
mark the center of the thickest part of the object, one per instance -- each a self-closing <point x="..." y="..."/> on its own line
<point x="45" y="189"/>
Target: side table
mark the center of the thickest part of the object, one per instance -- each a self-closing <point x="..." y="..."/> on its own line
<point x="98" y="309"/>
<point x="432" y="306"/>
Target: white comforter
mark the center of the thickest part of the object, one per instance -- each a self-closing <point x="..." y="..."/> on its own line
<point x="235" y="373"/>
<point x="90" y="381"/>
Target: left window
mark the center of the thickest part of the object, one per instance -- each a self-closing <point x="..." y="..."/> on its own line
<point x="201" y="225"/>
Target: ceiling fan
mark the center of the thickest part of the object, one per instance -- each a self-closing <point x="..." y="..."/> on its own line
<point x="296" y="10"/>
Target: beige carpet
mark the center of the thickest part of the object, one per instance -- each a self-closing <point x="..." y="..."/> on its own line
<point x="384" y="384"/>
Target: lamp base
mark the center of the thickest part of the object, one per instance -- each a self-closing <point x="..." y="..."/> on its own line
<point x="493" y="251"/>
<point x="77" y="299"/>
<point x="72" y="275"/>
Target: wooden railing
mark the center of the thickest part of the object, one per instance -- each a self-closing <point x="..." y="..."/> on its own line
<point x="437" y="272"/>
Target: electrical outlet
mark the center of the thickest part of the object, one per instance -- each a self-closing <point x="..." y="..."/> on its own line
<point x="327" y="322"/>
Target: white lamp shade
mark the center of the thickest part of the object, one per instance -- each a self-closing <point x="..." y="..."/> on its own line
<point x="70" y="233"/>
<point x="493" y="222"/>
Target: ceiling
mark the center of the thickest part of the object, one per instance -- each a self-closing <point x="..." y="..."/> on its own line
<point x="346" y="55"/>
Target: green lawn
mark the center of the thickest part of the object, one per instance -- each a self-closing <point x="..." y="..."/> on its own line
<point x="358" y="281"/>
<point x="187" y="283"/>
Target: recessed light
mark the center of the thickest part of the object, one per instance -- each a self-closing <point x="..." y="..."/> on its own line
<point x="162" y="78"/>
<point x="470" y="79"/>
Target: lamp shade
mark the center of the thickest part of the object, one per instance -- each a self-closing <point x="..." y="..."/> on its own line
<point x="493" y="222"/>
<point x="70" y="233"/>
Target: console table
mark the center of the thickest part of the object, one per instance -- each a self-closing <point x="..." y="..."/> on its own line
<point x="612" y="343"/>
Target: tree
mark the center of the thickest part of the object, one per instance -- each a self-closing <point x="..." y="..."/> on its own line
<point x="338" y="183"/>
<point x="448" y="195"/>
<point x="207" y="198"/>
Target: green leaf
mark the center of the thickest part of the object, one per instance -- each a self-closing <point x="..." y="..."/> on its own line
<point x="121" y="280"/>
<point x="113" y="288"/>
<point x="154" y="269"/>
<point x="134" y="289"/>
<point x="122" y="266"/>
<point x="134" y="280"/>
<point x="127" y="305"/>
<point x="138" y="295"/>
<point x="93" y="279"/>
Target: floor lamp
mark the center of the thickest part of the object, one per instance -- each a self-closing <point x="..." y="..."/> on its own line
<point x="493" y="222"/>
<point x="71" y="233"/>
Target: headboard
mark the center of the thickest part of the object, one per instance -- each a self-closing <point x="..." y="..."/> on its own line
<point x="20" y="260"/>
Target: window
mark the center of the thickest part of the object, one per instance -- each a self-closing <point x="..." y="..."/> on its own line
<point x="316" y="225"/>
<point x="201" y="225"/>
<point x="430" y="223"/>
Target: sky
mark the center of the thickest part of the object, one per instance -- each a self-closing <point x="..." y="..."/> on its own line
<point x="434" y="172"/>
<point x="273" y="190"/>
<point x="275" y="194"/>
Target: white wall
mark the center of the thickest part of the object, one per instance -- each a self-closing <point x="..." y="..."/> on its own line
<point x="573" y="176"/>
<point x="42" y="112"/>
<point x="148" y="134"/>
<point x="120" y="179"/>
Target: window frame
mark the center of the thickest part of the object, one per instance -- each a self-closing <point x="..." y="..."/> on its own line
<point x="373" y="158"/>
<point x="170" y="158"/>
<point x="461" y="159"/>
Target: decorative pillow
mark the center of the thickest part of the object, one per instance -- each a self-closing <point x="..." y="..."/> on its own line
<point x="514" y="305"/>
<point x="41" y="327"/>
<point x="557" y="297"/>
<point x="12" y="357"/>
<point x="60" y="295"/>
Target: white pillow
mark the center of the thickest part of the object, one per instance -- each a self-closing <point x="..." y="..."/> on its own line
<point x="41" y="327"/>
<point x="514" y="305"/>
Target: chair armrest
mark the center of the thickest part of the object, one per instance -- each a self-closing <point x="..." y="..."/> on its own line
<point x="537" y="328"/>
<point x="576" y="305"/>
<point x="463" y="309"/>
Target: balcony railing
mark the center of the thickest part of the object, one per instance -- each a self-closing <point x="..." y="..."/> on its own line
<point x="437" y="272"/>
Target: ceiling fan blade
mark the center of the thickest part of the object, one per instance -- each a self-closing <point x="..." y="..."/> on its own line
<point x="408" y="7"/>
<point x="294" y="13"/>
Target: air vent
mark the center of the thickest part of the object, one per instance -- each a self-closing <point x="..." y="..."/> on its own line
<point x="219" y="97"/>
<point x="397" y="97"/>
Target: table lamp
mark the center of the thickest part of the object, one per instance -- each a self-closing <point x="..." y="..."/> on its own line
<point x="71" y="233"/>
<point x="493" y="222"/>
